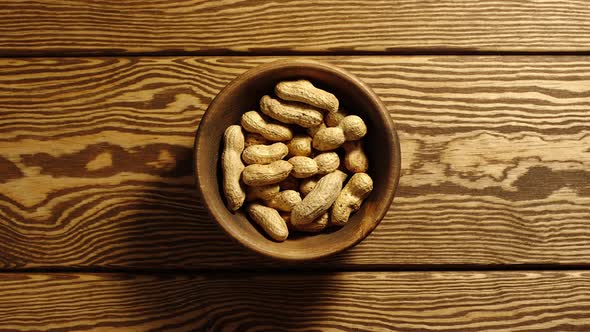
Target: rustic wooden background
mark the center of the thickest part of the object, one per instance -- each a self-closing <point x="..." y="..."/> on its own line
<point x="101" y="227"/>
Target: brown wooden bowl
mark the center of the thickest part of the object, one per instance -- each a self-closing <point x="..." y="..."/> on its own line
<point x="242" y="95"/>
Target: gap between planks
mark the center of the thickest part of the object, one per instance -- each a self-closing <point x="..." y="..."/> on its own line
<point x="304" y="270"/>
<point x="283" y="53"/>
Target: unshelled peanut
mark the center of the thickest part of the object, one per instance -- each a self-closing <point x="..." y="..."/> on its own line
<point x="327" y="162"/>
<point x="300" y="145"/>
<point x="291" y="113"/>
<point x="350" y="128"/>
<point x="351" y="197"/>
<point x="314" y="130"/>
<point x="355" y="159"/>
<point x="313" y="227"/>
<point x="307" y="185"/>
<point x="260" y="175"/>
<point x="353" y="127"/>
<point x="264" y="154"/>
<point x="329" y="138"/>
<point x="333" y="119"/>
<point x="255" y="139"/>
<point x="305" y="92"/>
<point x="253" y="122"/>
<point x="232" y="167"/>
<point x="284" y="200"/>
<point x="261" y="192"/>
<point x="319" y="199"/>
<point x="303" y="167"/>
<point x="269" y="220"/>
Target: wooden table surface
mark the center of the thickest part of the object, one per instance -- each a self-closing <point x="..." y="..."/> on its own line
<point x="101" y="227"/>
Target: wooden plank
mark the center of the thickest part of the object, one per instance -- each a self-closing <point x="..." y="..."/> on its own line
<point x="207" y="27"/>
<point x="378" y="301"/>
<point x="96" y="162"/>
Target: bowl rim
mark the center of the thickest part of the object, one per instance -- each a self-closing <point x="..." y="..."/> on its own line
<point x="314" y="64"/>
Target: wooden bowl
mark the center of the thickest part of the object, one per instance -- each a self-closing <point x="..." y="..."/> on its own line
<point x="242" y="95"/>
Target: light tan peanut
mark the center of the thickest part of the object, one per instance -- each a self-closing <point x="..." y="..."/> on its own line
<point x="351" y="128"/>
<point x="327" y="162"/>
<point x="232" y="167"/>
<point x="255" y="139"/>
<point x="319" y="200"/>
<point x="264" y="154"/>
<point x="313" y="130"/>
<point x="351" y="197"/>
<point x="269" y="220"/>
<point x="303" y="91"/>
<point x="290" y="183"/>
<point x="261" y="175"/>
<point x="303" y="167"/>
<point x="291" y="113"/>
<point x="333" y="119"/>
<point x="300" y="145"/>
<point x="354" y="127"/>
<point x="355" y="159"/>
<point x="328" y="139"/>
<point x="263" y="192"/>
<point x="285" y="200"/>
<point x="253" y="122"/>
<point x="307" y="185"/>
<point x="315" y="226"/>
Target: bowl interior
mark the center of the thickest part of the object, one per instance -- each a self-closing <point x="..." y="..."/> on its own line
<point x="242" y="95"/>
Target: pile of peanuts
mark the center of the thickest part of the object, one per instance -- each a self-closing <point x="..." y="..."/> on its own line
<point x="306" y="192"/>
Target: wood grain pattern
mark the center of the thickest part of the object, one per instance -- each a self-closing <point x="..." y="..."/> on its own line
<point x="428" y="301"/>
<point x="95" y="158"/>
<point x="117" y="27"/>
